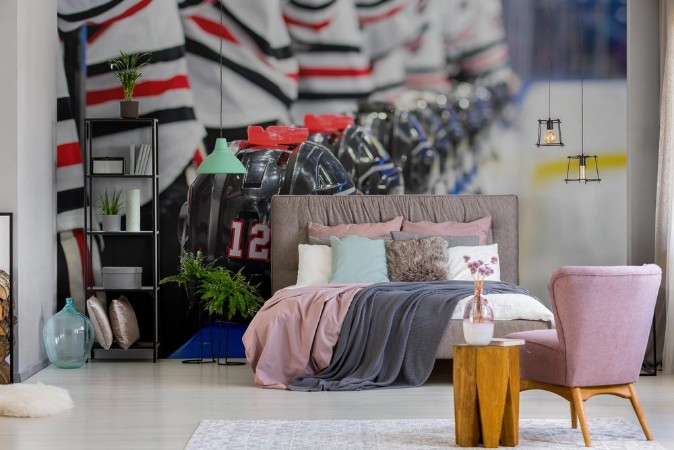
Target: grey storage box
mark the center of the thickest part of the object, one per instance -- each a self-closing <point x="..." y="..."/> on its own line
<point x="122" y="277"/>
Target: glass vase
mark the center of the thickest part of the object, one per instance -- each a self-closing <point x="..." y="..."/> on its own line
<point x="68" y="337"/>
<point x="478" y="319"/>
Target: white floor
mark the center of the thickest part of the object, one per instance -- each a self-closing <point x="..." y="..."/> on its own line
<point x="140" y="405"/>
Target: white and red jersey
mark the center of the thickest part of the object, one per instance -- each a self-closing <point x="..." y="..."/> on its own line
<point x="69" y="168"/>
<point x="164" y="91"/>
<point x="475" y="42"/>
<point x="425" y="63"/>
<point x="259" y="72"/>
<point x="334" y="71"/>
<point x="386" y="28"/>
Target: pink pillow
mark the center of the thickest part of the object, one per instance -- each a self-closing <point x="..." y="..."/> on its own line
<point x="370" y="230"/>
<point x="479" y="227"/>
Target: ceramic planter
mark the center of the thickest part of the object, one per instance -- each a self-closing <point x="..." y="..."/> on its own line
<point x="128" y="110"/>
<point x="112" y="222"/>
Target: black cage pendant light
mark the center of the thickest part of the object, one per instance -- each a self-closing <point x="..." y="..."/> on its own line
<point x="582" y="174"/>
<point x="549" y="130"/>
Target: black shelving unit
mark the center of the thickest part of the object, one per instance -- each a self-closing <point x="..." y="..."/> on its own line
<point x="149" y="291"/>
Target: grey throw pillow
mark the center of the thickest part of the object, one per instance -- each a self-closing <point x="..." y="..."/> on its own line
<point x="452" y="241"/>
<point x="417" y="260"/>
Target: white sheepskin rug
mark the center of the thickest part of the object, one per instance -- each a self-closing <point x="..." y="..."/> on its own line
<point x="33" y="400"/>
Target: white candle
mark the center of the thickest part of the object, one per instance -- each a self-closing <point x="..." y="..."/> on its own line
<point x="133" y="210"/>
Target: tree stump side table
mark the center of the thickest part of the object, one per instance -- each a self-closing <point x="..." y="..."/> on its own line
<point x="486" y="395"/>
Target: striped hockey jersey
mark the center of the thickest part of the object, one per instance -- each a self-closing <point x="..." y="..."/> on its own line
<point x="475" y="42"/>
<point x="334" y="71"/>
<point x="69" y="169"/>
<point x="164" y="91"/>
<point x="386" y="28"/>
<point x="258" y="69"/>
<point x="425" y="64"/>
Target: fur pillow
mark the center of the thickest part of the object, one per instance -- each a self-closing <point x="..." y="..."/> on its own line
<point x="417" y="260"/>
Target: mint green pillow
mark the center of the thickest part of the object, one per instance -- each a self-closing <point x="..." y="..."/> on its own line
<point x="358" y="259"/>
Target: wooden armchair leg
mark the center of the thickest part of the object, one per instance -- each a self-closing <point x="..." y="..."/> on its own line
<point x="574" y="417"/>
<point x="634" y="399"/>
<point x="577" y="397"/>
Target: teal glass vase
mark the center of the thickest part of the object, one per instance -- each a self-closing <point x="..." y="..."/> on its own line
<point x="68" y="337"/>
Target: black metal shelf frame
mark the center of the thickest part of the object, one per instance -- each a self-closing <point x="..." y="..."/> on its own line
<point x="152" y="290"/>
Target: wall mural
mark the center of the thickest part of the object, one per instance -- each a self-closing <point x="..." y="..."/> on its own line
<point x="7" y="314"/>
<point x="450" y="90"/>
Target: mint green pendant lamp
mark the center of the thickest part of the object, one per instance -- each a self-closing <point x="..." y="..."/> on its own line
<point x="221" y="160"/>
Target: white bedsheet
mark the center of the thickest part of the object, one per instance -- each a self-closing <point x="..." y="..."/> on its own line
<point x="505" y="306"/>
<point x="511" y="307"/>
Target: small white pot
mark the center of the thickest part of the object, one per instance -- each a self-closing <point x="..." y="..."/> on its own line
<point x="112" y="222"/>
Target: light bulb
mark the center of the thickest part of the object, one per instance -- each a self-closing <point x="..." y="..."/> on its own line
<point x="550" y="137"/>
<point x="581" y="173"/>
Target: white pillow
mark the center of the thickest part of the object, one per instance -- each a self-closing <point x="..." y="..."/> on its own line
<point x="315" y="264"/>
<point x="458" y="270"/>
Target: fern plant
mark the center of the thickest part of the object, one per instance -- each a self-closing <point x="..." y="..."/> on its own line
<point x="191" y="270"/>
<point x="223" y="292"/>
<point x="126" y="67"/>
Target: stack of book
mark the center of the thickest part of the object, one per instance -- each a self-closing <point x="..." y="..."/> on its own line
<point x="140" y="163"/>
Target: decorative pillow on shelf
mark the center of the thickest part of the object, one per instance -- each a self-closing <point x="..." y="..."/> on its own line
<point x="370" y="230"/>
<point x="417" y="260"/>
<point x="480" y="227"/>
<point x="315" y="264"/>
<point x="99" y="319"/>
<point x="452" y="241"/>
<point x="458" y="270"/>
<point x="358" y="259"/>
<point x="124" y="322"/>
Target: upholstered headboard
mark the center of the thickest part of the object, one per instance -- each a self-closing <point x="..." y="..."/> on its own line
<point x="291" y="214"/>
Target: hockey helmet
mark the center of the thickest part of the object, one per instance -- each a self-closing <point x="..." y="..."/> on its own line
<point x="227" y="216"/>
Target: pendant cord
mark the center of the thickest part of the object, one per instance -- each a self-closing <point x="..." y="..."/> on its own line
<point x="221" y="87"/>
<point x="582" y="41"/>
<point x="549" y="57"/>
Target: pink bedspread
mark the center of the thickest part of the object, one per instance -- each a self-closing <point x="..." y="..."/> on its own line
<point x="295" y="332"/>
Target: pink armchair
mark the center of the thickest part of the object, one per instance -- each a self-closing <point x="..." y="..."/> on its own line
<point x="603" y="316"/>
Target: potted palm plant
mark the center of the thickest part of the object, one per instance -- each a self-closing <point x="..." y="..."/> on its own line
<point x="127" y="70"/>
<point x="109" y="206"/>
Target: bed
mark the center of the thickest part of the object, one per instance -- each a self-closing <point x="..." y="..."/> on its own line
<point x="292" y="214"/>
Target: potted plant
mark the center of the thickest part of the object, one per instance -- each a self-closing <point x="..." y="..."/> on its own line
<point x="191" y="271"/>
<point x="126" y="67"/>
<point x="229" y="294"/>
<point x="219" y="290"/>
<point x="109" y="207"/>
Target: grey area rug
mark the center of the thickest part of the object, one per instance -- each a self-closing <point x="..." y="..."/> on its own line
<point x="606" y="433"/>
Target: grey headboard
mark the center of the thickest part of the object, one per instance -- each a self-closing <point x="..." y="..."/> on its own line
<point x="291" y="214"/>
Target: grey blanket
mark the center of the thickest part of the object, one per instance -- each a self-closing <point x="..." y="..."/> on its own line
<point x="391" y="334"/>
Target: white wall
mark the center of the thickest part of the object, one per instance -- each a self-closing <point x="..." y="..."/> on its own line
<point x="565" y="224"/>
<point x="27" y="172"/>
<point x="643" y="130"/>
<point x="36" y="231"/>
<point x="8" y="119"/>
